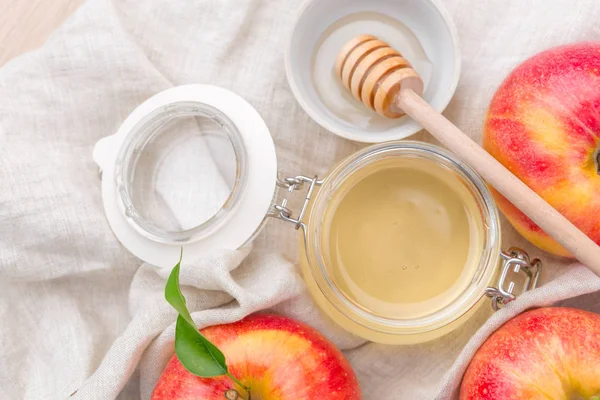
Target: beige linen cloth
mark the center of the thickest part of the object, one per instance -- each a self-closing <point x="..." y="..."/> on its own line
<point x="79" y="314"/>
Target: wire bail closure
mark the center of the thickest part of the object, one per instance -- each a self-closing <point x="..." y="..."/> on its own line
<point x="514" y="261"/>
<point x="282" y="211"/>
<point x="518" y="261"/>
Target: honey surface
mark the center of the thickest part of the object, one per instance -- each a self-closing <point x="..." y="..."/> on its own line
<point x="402" y="238"/>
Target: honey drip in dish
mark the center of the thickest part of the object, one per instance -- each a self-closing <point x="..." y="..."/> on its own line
<point x="402" y="238"/>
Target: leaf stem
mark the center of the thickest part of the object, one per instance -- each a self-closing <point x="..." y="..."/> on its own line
<point x="240" y="384"/>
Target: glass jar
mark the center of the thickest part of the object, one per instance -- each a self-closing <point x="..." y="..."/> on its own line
<point x="194" y="168"/>
<point x="488" y="280"/>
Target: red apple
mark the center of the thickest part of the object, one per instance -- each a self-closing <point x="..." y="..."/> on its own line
<point x="547" y="353"/>
<point x="278" y="358"/>
<point x="544" y="125"/>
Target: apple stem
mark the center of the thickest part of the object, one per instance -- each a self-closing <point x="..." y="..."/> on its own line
<point x="598" y="162"/>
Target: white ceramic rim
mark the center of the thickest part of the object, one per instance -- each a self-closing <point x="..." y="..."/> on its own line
<point x="255" y="200"/>
<point x="368" y="137"/>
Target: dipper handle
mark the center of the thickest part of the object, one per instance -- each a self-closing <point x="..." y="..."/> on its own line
<point x="522" y="196"/>
<point x="385" y="82"/>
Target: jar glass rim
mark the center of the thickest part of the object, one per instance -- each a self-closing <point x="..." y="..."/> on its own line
<point x="137" y="140"/>
<point x="481" y="277"/>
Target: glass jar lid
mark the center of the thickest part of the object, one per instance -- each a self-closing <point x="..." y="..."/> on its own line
<point x="193" y="167"/>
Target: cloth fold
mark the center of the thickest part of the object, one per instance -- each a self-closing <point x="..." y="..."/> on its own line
<point x="82" y="316"/>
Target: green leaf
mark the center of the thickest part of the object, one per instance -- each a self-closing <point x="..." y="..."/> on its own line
<point x="196" y="353"/>
<point x="173" y="293"/>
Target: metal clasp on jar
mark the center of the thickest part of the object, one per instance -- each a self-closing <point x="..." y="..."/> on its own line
<point x="282" y="211"/>
<point x="515" y="261"/>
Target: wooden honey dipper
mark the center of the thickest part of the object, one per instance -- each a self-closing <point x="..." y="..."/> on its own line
<point x="384" y="81"/>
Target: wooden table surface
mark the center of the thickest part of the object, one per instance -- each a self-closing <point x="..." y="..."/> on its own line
<point x="25" y="24"/>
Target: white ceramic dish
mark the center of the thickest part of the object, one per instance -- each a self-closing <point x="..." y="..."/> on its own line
<point x="427" y="20"/>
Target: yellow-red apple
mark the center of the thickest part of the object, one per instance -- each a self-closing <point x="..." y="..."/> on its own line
<point x="544" y="125"/>
<point x="547" y="353"/>
<point x="277" y="357"/>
